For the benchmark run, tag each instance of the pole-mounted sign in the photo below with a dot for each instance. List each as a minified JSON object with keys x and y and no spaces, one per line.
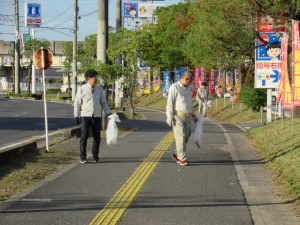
{"x":33,"y":16}
{"x":43,"y":59}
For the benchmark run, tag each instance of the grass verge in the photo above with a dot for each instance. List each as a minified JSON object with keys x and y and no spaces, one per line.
{"x":277,"y":144}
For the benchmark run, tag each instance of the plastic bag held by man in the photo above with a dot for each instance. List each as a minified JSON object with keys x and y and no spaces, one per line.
{"x":112,"y":129}
{"x":199,"y":130}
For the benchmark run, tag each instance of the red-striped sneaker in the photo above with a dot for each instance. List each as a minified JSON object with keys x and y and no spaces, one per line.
{"x":175,"y":158}
{"x":183,"y":162}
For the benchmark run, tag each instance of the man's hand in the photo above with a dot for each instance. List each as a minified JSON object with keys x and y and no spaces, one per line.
{"x":77,"y":120}
{"x":169,"y":121}
{"x":195,"y":118}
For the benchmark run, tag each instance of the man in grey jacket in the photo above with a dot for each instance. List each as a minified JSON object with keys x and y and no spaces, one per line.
{"x":202,"y":97}
{"x":88,"y":105}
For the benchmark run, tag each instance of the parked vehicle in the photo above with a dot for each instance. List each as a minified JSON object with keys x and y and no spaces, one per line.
{"x":274,"y":94}
{"x":65,"y":87}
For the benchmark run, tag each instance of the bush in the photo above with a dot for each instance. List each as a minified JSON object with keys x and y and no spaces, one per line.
{"x":62,"y":97}
{"x":55,"y":90}
{"x":252,"y":97}
{"x":26,"y":95}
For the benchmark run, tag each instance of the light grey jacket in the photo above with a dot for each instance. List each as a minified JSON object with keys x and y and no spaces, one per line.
{"x":202,"y":95}
{"x":87,"y":104}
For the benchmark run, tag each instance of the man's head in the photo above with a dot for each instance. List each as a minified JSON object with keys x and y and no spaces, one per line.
{"x":186,"y":79}
{"x":203,"y":84}
{"x":91,"y":77}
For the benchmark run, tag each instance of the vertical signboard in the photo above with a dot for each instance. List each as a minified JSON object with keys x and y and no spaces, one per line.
{"x":284,"y":85}
{"x":33,"y":17}
{"x":212,"y":82}
{"x":237,"y":85}
{"x":229,"y":80}
{"x":296,"y":61}
{"x":196,"y":80}
{"x":267,"y":54}
{"x":221,"y":81}
{"x":167,"y":83}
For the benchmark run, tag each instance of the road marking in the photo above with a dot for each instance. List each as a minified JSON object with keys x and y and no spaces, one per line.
{"x":35,"y":200}
{"x":116,"y":207}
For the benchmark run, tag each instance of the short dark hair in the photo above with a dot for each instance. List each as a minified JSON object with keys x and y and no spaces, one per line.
{"x":90,"y":73}
{"x":204,"y":84}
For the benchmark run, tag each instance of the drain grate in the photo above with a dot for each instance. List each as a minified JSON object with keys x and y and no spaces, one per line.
{"x":232,"y":128}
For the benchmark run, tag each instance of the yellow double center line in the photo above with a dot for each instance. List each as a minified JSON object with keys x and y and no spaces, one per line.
{"x":116,"y":207}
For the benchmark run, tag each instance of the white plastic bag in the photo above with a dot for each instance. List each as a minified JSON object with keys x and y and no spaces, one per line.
{"x":199,"y":130}
{"x":208,"y":104}
{"x":112,"y":129}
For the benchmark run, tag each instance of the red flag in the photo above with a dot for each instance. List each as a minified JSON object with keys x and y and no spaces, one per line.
{"x":212,"y":82}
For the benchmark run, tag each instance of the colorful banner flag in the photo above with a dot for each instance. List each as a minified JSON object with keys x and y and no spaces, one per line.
{"x":229,"y":80}
{"x":203,"y":75}
{"x":296,"y":61}
{"x":156,"y":80}
{"x":167,"y":83}
{"x":212,"y":82}
{"x":284,"y":84}
{"x":237,"y":85}
{"x":221,"y":81}
{"x":177,"y":75}
{"x":196,"y":80}
{"x":144,"y":77}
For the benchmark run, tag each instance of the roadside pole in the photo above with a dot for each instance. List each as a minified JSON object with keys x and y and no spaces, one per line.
{"x":102,"y":42}
{"x":33,"y":72}
{"x":269,"y":105}
{"x":17,"y":49}
{"x":43,"y":59}
{"x":74,"y":72}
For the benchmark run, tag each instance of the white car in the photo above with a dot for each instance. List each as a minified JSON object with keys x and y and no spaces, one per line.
{"x":274,"y":94}
{"x":65,"y":87}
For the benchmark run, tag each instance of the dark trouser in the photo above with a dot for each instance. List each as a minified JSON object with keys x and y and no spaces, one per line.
{"x":86,"y":124}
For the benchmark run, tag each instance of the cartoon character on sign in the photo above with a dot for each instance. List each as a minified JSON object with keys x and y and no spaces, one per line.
{"x":274,"y":51}
{"x":132,"y":12}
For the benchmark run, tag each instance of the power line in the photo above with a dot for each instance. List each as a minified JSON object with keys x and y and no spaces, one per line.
{"x":59,"y":14}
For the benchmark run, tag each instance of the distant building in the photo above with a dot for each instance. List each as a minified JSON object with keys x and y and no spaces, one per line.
{"x":54,"y":73}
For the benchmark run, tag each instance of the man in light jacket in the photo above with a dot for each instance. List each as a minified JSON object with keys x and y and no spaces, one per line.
{"x":202,"y":97}
{"x":88,"y":104}
{"x":180,"y":114}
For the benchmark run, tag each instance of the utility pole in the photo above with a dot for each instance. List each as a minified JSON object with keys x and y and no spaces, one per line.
{"x":102,"y":42}
{"x":118,"y":25}
{"x":33,"y":72}
{"x":17,"y":49}
{"x":74,"y":89}
{"x":102,"y":31}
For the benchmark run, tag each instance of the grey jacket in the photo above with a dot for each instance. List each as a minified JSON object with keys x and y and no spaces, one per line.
{"x":202,"y":95}
{"x":87,"y":104}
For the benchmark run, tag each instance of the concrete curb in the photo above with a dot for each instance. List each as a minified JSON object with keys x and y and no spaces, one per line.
{"x":30,"y":144}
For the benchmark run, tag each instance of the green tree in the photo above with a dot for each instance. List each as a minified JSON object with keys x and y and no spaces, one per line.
{"x":28,"y":50}
{"x":67,"y":49}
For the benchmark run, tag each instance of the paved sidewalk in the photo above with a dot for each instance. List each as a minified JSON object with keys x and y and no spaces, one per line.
{"x":225,"y":182}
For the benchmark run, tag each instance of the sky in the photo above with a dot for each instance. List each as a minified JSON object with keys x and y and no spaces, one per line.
{"x":57,"y":18}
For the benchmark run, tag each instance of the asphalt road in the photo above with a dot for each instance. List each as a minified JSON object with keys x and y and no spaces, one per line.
{"x":24,"y":119}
